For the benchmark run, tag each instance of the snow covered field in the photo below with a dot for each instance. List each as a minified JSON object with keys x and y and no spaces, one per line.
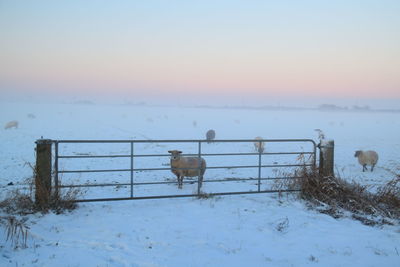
{"x":261,"y":230}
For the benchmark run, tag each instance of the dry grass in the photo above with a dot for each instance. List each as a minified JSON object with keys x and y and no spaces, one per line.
{"x":18,"y":203}
{"x":37,"y":198}
{"x":53,"y":200}
{"x":17,"y":231}
{"x":59,"y":203}
{"x":389,"y":197}
{"x":337,"y":196}
{"x":21,"y":202}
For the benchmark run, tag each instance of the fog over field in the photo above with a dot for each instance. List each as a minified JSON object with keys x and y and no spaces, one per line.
{"x":199,"y":99}
{"x":260,"y":230}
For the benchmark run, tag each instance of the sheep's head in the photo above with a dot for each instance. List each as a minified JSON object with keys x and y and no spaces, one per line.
{"x":175,"y":154}
{"x":358,"y":152}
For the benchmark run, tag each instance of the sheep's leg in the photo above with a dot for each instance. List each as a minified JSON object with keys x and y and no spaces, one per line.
{"x":364,"y":167}
{"x":180,"y":181}
{"x":200,"y":180}
{"x":372,"y":168}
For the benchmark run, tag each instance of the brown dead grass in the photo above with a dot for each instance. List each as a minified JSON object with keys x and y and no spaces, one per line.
{"x":337,"y":196}
{"x":16,"y":231}
{"x":37,"y":199}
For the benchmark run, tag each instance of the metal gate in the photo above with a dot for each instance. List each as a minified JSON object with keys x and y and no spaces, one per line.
{"x":104,"y":170}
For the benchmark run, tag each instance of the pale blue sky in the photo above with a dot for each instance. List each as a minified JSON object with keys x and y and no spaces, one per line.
{"x":322,"y":48}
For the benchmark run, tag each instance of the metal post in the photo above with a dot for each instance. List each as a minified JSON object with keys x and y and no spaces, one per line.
{"x":314,"y":156}
{"x":43,"y":172}
{"x":326,"y":158}
{"x":131,"y":169}
{"x":56,"y":179}
{"x":199,"y":181}
{"x":259,"y":166}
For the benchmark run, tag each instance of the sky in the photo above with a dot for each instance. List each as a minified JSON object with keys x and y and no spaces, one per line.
{"x":202,"y":49}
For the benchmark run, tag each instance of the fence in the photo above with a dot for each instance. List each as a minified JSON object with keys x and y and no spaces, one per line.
{"x":139,"y":169}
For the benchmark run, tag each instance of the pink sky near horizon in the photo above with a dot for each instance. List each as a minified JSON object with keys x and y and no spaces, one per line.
{"x":317,"y":49}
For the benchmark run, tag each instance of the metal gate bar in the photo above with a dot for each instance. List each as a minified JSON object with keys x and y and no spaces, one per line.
{"x":167,"y":155}
{"x":215,"y":167}
{"x":185,"y":195}
{"x":185,"y":182}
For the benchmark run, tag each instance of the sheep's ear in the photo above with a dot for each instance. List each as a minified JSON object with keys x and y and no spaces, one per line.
{"x":169,"y":151}
{"x":179,"y":152}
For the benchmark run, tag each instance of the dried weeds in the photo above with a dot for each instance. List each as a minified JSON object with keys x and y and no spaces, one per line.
{"x":334,"y":195}
{"x":16,"y":231}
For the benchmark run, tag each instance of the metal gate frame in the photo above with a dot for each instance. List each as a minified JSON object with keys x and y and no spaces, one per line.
{"x":131,"y":169}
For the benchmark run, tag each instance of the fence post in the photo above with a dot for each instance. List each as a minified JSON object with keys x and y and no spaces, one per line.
{"x":43,"y":172}
{"x":326,"y":158}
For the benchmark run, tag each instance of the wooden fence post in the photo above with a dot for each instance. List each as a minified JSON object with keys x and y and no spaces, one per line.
{"x":326,"y":158}
{"x":43,"y":172}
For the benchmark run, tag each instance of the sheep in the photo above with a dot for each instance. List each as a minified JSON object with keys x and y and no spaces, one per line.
{"x":259,"y":146}
{"x":367,"y":158}
{"x":210,"y":135}
{"x":186,"y":166}
{"x":11,"y":124}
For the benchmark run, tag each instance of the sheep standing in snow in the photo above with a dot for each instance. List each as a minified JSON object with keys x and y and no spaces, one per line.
{"x":367,"y":158}
{"x":259,"y":146}
{"x":11,"y":124}
{"x":186,"y":166}
{"x":210,"y":135}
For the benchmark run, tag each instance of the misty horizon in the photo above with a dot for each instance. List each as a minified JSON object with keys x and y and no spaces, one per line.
{"x":205,"y":101}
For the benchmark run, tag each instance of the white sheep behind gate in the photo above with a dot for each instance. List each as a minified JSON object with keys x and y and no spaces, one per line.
{"x":186,"y":166}
{"x":365,"y":158}
{"x":259,"y":146}
{"x":210,"y":135}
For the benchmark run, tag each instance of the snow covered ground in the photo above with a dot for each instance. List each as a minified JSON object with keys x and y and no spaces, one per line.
{"x":254,"y":230}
